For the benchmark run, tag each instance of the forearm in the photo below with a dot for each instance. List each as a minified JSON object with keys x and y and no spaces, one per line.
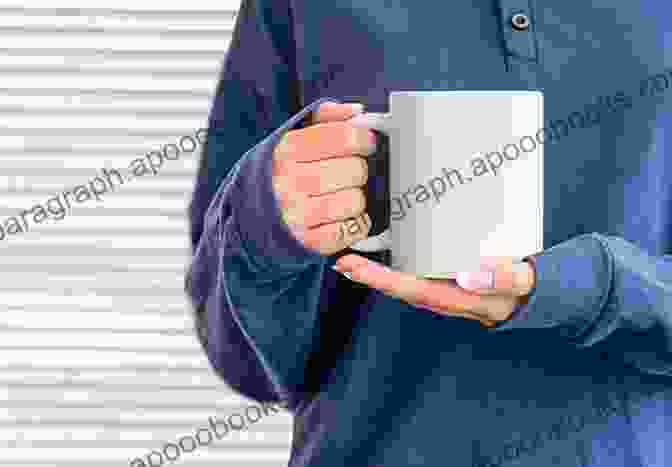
{"x":604,"y":292}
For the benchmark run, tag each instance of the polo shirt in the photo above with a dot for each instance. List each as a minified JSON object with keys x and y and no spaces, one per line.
{"x":582,"y":376}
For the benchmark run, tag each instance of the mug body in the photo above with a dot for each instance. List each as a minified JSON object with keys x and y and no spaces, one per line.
{"x":466,"y":178}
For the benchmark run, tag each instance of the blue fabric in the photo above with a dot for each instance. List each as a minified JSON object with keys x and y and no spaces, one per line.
{"x":582,"y":376}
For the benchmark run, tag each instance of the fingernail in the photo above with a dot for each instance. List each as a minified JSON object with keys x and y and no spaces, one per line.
{"x":476,"y":280}
{"x":372,"y":138}
{"x":360,"y":121}
{"x":357,"y":108}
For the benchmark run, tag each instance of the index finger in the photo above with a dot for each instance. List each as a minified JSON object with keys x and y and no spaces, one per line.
{"x":407,"y":287}
{"x":333,"y":111}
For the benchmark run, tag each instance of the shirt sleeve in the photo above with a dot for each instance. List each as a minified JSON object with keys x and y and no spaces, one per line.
{"x":254,"y":288}
{"x":606,"y":293}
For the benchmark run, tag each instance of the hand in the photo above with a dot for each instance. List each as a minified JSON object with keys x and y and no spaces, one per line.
{"x":318,"y":175}
{"x":487,"y":296}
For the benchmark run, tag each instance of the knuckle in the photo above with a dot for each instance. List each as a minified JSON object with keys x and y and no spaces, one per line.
{"x":354,"y":138}
{"x":366,"y":218}
{"x":342,"y":238}
{"x":365,"y":227}
{"x":358,"y":200}
{"x":356,"y":228}
{"x":363,"y":170}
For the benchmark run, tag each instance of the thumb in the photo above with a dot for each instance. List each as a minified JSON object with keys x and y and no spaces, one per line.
{"x":499,"y":276}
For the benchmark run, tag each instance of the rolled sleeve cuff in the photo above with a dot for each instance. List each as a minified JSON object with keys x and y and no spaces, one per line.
{"x":572,"y":284}
{"x":264,"y":234}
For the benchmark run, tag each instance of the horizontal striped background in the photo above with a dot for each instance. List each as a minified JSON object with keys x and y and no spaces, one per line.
{"x":99,"y":361}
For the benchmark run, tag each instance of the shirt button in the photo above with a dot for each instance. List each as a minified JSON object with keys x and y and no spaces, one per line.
{"x":520,"y":22}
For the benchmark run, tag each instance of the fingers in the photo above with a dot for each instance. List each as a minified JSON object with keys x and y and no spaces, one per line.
{"x":332,"y":207}
{"x":317,"y":177}
{"x":325,"y":141}
{"x":312,"y":179}
{"x":440,"y":296}
{"x":436,"y":296}
{"x":333,"y":111}
{"x":334,"y":237}
{"x":408,"y":287}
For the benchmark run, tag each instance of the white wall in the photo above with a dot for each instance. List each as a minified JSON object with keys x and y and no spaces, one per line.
{"x":98,"y":360}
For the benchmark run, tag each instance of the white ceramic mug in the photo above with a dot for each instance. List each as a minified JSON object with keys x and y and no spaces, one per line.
{"x":466,"y":178}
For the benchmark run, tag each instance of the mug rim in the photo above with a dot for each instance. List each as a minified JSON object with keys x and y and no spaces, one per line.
{"x":463,"y":93}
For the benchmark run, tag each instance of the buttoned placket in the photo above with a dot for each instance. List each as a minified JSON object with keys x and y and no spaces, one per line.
{"x":521,"y":51}
{"x":518,"y":26}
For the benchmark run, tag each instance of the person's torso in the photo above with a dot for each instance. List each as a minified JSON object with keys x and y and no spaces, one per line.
{"x":416,"y":388}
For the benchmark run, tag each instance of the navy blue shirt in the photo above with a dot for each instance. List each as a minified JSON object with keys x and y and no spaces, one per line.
{"x":583,"y":376}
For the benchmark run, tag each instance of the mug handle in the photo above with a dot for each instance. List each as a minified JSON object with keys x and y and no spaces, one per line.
{"x":380,"y":122}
